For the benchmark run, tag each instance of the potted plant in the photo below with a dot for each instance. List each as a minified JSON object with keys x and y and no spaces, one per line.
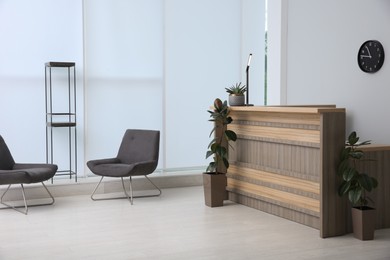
{"x":356,"y":185}
{"x":214,"y":179}
{"x":236,"y":94}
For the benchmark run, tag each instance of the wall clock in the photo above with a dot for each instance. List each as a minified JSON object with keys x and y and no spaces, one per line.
{"x":371,"y":56}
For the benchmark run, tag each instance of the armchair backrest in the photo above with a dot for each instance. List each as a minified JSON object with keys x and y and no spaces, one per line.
{"x":139,"y":146}
{"x":6,"y":160}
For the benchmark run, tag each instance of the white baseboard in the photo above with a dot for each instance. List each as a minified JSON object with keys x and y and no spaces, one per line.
{"x":85,"y":186}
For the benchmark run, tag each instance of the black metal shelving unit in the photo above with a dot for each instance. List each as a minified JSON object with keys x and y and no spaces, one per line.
{"x":66,"y":117}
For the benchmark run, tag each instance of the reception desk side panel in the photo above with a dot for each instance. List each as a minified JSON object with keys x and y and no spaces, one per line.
{"x":333,"y":217}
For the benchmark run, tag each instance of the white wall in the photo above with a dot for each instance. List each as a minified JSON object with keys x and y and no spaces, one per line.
{"x":323,"y":41}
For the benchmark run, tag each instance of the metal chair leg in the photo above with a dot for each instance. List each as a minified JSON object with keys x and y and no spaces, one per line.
{"x":145,"y":196}
{"x":154,"y":186}
{"x":25,"y":201}
{"x":51,"y":196}
{"x":93,"y":193}
{"x":124,"y":189}
{"x":131,"y":191}
{"x":129,"y":197}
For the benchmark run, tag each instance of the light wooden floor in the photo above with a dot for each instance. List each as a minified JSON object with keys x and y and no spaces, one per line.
{"x":176,"y":225}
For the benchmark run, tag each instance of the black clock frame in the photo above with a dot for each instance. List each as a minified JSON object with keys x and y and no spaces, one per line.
{"x":371,"y":56}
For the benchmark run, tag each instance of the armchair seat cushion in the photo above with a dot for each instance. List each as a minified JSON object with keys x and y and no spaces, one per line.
{"x":113,"y":169}
{"x":33,"y":174}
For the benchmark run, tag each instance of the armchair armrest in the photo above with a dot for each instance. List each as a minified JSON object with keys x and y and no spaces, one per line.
{"x":93,"y":163}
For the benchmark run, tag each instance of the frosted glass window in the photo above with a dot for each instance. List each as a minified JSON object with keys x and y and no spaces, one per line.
{"x":33,"y":33}
{"x":123,"y":38}
{"x":149,"y":64}
{"x":161,"y":64}
{"x":123,"y":71}
{"x":202,"y":58}
{"x":206,"y":48}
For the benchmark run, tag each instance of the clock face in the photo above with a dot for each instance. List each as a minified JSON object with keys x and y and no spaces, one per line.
{"x":371,"y":56}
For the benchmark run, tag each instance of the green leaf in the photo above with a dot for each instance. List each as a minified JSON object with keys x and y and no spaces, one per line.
{"x":365,"y":181}
{"x":225,"y":162}
{"x":211,"y":142}
{"x":344,"y":188}
{"x":352,"y":138}
{"x":374,"y":182}
{"x":209,"y":153}
{"x":211,"y":167}
{"x":343,"y":166}
{"x":231,"y":135}
{"x":213,"y":146}
{"x":355,"y":195}
{"x":345,"y":153}
{"x":212,"y":131}
{"x":221,"y":151}
{"x":229,"y":120}
{"x":218,"y":150}
{"x":365,"y":142}
{"x":349,"y":174}
{"x":357,"y":154}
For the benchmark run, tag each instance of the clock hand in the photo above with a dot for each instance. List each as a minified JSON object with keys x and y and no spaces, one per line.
{"x":368,"y":50}
{"x":365,"y":56}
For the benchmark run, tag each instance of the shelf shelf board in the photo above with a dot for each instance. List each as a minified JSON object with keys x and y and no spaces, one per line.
{"x":61,"y":124}
{"x":60,"y":64}
{"x":61,"y":114}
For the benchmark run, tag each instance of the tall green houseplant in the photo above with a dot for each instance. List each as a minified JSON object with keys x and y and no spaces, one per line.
{"x":356,"y":185}
{"x":218,"y":147}
{"x":214,"y":179}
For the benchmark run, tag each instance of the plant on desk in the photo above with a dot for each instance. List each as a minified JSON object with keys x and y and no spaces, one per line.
{"x":214,"y":179}
{"x":236,"y":94}
{"x":356,"y":185}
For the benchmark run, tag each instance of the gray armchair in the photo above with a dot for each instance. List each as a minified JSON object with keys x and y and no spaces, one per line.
{"x":22,"y":173}
{"x":137,"y":156}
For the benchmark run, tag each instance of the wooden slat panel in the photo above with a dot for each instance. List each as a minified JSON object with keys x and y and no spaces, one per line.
{"x":291,"y":182}
{"x":286,"y":159}
{"x":297,"y":135}
{"x":271,"y":208}
{"x":285,"y":118}
{"x":276,"y":195}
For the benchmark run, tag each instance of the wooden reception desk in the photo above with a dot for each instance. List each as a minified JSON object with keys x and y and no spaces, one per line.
{"x":284,"y":163}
